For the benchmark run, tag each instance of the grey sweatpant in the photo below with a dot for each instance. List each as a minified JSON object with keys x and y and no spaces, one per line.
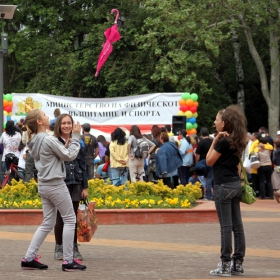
{"x":55,"y":198}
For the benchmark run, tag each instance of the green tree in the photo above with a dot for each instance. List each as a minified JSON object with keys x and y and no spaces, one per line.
{"x":251,"y":17}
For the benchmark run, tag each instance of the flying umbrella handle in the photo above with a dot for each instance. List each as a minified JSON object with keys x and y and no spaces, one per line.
{"x":117,"y":15}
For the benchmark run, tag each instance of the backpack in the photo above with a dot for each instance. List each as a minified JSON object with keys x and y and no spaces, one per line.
{"x":142,"y":148}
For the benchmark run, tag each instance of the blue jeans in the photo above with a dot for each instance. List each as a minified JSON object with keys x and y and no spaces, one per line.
{"x":119,"y":175}
{"x":90,"y":171}
{"x":227,"y":201}
{"x":184,"y":174}
{"x":209,"y":184}
{"x":3,"y":169}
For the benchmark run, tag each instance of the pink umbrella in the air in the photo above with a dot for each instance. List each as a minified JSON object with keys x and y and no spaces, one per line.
{"x":112,"y":35}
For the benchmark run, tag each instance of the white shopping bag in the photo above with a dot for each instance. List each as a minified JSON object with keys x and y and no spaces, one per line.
{"x":247,"y":165}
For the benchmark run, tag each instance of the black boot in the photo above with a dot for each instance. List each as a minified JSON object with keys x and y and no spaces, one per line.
{"x":222,"y":270}
{"x":236,"y":267}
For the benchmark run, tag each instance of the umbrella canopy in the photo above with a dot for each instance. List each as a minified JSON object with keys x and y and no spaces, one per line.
{"x":112,"y":35}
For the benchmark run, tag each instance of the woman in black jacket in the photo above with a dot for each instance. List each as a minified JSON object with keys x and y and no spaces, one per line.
{"x":76,"y":181}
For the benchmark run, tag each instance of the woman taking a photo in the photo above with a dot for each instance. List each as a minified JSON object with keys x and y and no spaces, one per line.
{"x":224,"y":155}
{"x":76,"y":182}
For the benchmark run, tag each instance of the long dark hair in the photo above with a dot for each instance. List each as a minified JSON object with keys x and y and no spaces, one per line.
{"x":21,"y":146}
{"x":184,"y":134}
{"x":135,"y":131}
{"x":235,"y":125}
{"x":11,"y":128}
{"x":119,"y":136}
{"x":102,"y":140}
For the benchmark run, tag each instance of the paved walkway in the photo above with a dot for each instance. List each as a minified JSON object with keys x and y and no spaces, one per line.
{"x":168,"y":252}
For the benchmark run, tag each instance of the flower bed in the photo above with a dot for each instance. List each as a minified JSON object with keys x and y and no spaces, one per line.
{"x":130,"y":196}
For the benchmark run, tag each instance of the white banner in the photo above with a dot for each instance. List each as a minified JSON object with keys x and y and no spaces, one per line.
{"x":103,"y":114}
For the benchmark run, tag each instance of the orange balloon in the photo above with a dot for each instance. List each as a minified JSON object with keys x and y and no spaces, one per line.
{"x":195,"y":104}
{"x":193,"y":131}
{"x":189,"y":102}
{"x":10,"y":103}
{"x":182,"y":102}
{"x":5,"y":103}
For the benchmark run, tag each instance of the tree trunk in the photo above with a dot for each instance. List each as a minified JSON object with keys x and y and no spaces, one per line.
{"x":222,"y":85}
{"x":271,"y":96}
{"x":273,"y":109}
{"x":239,"y":70}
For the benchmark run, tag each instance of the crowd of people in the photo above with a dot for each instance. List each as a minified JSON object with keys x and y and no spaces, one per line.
{"x":66,"y":155}
{"x":263,"y":171}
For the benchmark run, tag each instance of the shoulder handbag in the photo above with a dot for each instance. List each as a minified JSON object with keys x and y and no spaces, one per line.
{"x":248,"y":194}
{"x":255,"y":163}
{"x":247,"y":165}
{"x":106,"y":166}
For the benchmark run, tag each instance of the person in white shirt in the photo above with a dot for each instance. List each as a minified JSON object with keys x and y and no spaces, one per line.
{"x":10,"y":140}
{"x":21,"y":158}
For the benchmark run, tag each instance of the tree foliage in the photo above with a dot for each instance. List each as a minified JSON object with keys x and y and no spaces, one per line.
{"x":166,"y":46}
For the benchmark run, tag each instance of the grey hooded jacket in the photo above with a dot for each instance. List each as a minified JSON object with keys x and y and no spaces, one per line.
{"x":49,"y":156}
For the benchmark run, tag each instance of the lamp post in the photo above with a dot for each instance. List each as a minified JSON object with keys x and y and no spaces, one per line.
{"x":6,"y":12}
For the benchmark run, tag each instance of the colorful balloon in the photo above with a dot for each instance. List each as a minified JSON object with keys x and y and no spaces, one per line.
{"x":194,"y":96}
{"x":188,"y":114}
{"x":182,"y":102}
{"x":186,"y":95}
{"x":188,"y":126}
{"x":10,"y":103}
{"x":181,"y":113}
{"x":195,"y":115}
{"x":5,"y":113}
{"x":5,"y":103}
{"x":184,"y":108}
{"x":192,"y":120}
{"x":193,"y":109}
{"x":8,"y":97}
{"x":195,"y":104}
{"x":8,"y":118}
{"x":8,"y":109}
{"x":189,"y":102}
{"x":195,"y":125}
{"x":193,"y":131}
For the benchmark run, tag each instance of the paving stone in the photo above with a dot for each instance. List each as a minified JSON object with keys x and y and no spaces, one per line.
{"x":161,"y":252}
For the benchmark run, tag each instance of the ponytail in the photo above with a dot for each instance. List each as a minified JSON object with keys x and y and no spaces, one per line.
{"x":31,"y":122}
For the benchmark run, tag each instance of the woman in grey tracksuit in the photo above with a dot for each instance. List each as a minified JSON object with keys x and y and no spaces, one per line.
{"x":49,"y":156}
